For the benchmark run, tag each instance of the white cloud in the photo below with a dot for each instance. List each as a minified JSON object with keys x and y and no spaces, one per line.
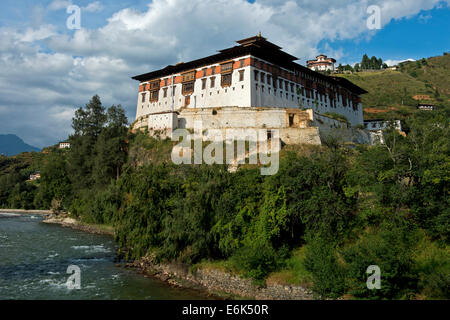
{"x":424,"y":18}
{"x":40,"y":87}
{"x":56,"y":5}
{"x":95,"y":6}
{"x":391,"y":62}
{"x":42,"y":33}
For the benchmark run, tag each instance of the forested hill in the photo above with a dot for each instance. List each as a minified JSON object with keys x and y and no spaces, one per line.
{"x":10,"y":145}
{"x":327,"y":214}
{"x":399,"y":92}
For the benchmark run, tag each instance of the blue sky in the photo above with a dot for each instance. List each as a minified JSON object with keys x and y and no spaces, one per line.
{"x":423,"y":35}
{"x":47,"y":70}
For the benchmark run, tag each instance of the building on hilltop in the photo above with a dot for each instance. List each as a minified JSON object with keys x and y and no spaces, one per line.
{"x":426,"y":106}
{"x":322,"y":63}
{"x":377,"y":126}
{"x":64,"y":145}
{"x":35,"y":176}
{"x":251,"y":85}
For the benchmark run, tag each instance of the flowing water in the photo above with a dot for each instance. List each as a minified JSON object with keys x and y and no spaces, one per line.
{"x":34,"y":260}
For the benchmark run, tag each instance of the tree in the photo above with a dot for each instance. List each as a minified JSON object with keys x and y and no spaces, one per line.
{"x":87,"y":124}
{"x":111,"y":147}
{"x":55,"y":182}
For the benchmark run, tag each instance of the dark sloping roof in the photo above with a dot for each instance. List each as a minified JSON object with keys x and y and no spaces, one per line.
{"x":256,"y":46}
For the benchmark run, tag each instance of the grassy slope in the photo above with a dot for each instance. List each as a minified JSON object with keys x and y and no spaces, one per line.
{"x":388,"y":89}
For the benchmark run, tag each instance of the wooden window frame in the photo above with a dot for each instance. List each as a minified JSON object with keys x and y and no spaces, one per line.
{"x":152,"y":94}
{"x":188,"y":76}
{"x":155,"y":84}
{"x":188,"y":88}
{"x":227,"y":83}
{"x":241,"y":75}
{"x":226,"y":67}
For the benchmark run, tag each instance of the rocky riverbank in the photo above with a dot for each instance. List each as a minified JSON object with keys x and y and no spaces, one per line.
{"x":219,"y":282}
{"x":68,"y":222}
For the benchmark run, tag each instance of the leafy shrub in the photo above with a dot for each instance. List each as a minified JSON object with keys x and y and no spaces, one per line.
{"x":392,"y":249}
{"x":327,"y":273}
{"x":433,"y":268}
{"x":259,"y":260}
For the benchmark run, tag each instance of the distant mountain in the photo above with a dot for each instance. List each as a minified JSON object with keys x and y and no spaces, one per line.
{"x":10,"y":145}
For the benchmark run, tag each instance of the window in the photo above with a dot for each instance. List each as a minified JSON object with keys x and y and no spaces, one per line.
{"x":213,"y":70}
{"x":188,"y":76}
{"x":226,"y":79}
{"x":154,"y":85}
{"x":262,"y":77}
{"x":188,"y":87}
{"x":287,"y":95}
{"x":165,"y":82}
{"x":269,"y":80}
{"x":281,"y":84}
{"x":286,"y":85}
{"x":292,"y":87}
{"x":204,"y":72}
{"x":174,"y":90}
{"x":226,"y":67}
{"x":203,"y":84}
{"x":213,"y":81}
{"x":241,"y":75}
{"x":256,"y":75}
{"x":165,"y":92}
{"x":241,"y":63}
{"x":143,"y":97}
{"x":262,"y":88}
{"x":154,"y":95}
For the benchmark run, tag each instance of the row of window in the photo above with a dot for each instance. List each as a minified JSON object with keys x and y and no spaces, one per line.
{"x":188,"y":87}
{"x":276,"y":83}
{"x":309,"y":94}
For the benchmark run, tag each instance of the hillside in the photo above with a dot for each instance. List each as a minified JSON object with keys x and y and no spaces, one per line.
{"x":395,"y":92}
{"x":10,"y":145}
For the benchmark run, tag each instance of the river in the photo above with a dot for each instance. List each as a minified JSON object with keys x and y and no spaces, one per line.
{"x":34,"y":259}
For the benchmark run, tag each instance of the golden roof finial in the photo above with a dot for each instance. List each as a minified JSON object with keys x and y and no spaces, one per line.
{"x":259,"y":34}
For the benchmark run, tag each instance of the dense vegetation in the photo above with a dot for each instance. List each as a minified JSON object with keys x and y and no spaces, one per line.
{"x":390,"y":93}
{"x":328,"y":213}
